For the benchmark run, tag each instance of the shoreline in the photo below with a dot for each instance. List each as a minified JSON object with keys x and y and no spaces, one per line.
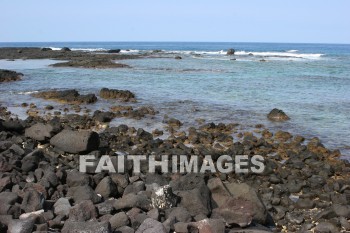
{"x":282,"y":151}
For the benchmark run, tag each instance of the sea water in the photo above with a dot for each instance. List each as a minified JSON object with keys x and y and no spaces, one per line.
{"x":310,"y":82}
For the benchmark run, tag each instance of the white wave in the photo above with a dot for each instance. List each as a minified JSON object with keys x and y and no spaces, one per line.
{"x":27,"y":92}
{"x":55,"y":48}
{"x":89,"y":49}
{"x":129,"y":51}
{"x":282,"y":54}
{"x":292,"y":51}
{"x":193,"y":52}
{"x":82,"y":49}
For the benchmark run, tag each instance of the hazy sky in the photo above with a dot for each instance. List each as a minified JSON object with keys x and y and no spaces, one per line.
{"x":321,"y":21}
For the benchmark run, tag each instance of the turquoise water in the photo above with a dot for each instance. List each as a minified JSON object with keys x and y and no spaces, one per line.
{"x":310,"y":82}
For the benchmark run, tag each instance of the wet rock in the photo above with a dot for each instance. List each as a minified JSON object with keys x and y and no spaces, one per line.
{"x":123,"y":95}
{"x":173,"y":122}
{"x":103,"y":116}
{"x":83,"y":211}
{"x":76,"y":141}
{"x":13,"y":125}
{"x":230,"y":52}
{"x":9,"y":76}
{"x":119,"y":220}
{"x":67,"y":96}
{"x":114,"y":51}
{"x":32,"y":201}
{"x":46,"y":49}
{"x":178,"y":57}
{"x":62,"y":207}
{"x":94,"y":63}
{"x":150,"y":226}
{"x":40,"y":132}
{"x":164,"y":198}
{"x":86,"y":227}
{"x":277,"y":115}
{"x":65,"y":49}
{"x":49,"y":107}
{"x":107,"y":188}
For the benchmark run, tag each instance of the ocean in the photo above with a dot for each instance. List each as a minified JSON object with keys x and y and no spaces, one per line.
{"x":310,"y":82}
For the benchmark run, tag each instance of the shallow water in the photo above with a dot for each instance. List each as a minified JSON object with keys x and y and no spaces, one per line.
{"x":310,"y":82}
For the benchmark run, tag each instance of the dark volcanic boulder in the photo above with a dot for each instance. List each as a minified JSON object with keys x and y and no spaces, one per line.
{"x":39,"y":132}
{"x":9,"y":75}
{"x":32,"y":201}
{"x":230,"y":52}
{"x":76,"y":141}
{"x":45,"y":49}
{"x":67,"y":96}
{"x":123,"y":95}
{"x":277,"y":115}
{"x":113,"y":51}
{"x":65,"y":49}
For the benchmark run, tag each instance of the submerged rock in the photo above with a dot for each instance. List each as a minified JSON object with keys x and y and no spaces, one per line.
{"x":123,"y":95}
{"x":67,"y":96}
{"x":277,"y":115}
{"x":91,"y":63}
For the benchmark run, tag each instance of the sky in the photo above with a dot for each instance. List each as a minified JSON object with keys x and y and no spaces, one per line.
{"x":299,"y":21}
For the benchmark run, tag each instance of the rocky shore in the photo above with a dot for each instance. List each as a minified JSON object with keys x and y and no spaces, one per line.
{"x":304,"y":186}
{"x":73,"y":58}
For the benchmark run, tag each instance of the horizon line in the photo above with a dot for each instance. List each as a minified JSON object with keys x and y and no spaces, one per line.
{"x":132,"y":41}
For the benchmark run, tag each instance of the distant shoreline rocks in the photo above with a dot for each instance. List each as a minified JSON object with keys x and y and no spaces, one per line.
{"x":230,"y":52}
{"x":91,"y":63}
